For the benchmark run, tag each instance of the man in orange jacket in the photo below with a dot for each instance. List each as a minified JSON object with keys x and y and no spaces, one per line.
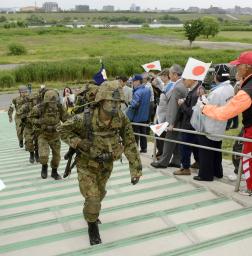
{"x":240,"y":103}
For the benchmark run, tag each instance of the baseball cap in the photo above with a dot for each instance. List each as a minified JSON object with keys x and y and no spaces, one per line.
{"x":222,"y":70}
{"x":244,"y":58}
{"x":137,"y":77}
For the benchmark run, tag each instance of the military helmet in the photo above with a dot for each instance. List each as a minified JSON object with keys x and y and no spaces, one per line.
{"x":51,"y":96}
{"x":110,"y":90}
{"x":22,"y":89}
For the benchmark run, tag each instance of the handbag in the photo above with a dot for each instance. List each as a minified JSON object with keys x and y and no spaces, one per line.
{"x":198,"y":119}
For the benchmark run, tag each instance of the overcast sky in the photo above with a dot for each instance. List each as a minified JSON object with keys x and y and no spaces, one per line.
{"x":125,"y":4}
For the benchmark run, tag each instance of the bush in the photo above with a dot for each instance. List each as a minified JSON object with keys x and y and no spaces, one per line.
{"x":10,"y":25}
{"x":77,"y":70}
{"x":3,"y":19}
{"x":145,"y":25}
{"x":17,"y":49}
{"x":7,"y":80}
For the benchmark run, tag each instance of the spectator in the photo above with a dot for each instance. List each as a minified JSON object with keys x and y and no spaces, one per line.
{"x":68,"y":99}
{"x":162,"y":105}
{"x":186,"y":110}
{"x":127,"y":91}
{"x":210,"y":162}
{"x":147,"y":82}
{"x":240,"y":103}
{"x":138,"y":110}
{"x":169,"y":114}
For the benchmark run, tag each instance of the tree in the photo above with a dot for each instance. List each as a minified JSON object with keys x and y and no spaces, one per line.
{"x":3,"y":19}
{"x":211,"y":26}
{"x":193,"y":29}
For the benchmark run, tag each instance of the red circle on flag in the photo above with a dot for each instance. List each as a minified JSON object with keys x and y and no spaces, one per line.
{"x":151,"y":66}
{"x":198,"y":70}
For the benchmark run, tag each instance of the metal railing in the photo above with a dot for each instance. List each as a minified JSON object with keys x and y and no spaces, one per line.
{"x":221,"y":136}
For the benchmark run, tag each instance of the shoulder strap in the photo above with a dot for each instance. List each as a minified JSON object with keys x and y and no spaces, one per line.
{"x":87,"y":122}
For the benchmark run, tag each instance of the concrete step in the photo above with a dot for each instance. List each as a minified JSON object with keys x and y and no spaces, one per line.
{"x":161,"y":215}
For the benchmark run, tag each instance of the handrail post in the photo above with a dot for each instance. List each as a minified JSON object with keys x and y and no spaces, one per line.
{"x":239,"y":174}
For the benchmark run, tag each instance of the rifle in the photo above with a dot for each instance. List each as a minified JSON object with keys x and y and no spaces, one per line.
{"x":69,"y":156}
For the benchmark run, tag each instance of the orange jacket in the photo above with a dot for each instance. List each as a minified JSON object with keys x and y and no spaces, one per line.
{"x":239,"y":103}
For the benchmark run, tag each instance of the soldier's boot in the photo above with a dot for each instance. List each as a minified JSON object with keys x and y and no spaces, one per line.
{"x":36,"y":156}
{"x":93,"y":232}
{"x":44,"y":171}
{"x":31,"y":159}
{"x":55,"y":174}
{"x":21,"y":144}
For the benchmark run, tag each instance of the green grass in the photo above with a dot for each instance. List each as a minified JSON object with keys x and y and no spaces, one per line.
{"x":60,"y":44}
{"x":64,"y":54}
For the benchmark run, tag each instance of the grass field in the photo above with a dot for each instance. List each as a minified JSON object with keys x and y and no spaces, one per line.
{"x":59,"y":44}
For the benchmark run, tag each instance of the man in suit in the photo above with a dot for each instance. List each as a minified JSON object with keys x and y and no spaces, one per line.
{"x":170,"y":149}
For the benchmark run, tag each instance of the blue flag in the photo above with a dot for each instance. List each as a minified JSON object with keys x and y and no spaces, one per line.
{"x":101,"y":76}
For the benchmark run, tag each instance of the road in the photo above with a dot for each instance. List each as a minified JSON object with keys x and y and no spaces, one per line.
{"x":203,"y":44}
{"x":9,"y":66}
{"x":5,"y":100}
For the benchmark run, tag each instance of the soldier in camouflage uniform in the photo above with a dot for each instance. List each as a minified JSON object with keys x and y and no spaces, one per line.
{"x":100,"y":135}
{"x":31,"y":143}
{"x":16,"y":105}
{"x":46,"y":116}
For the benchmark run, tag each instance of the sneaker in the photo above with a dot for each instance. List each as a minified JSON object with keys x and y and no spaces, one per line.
{"x":182,"y":172}
{"x":143,"y":151}
{"x":245,"y":192}
{"x":232,"y":177}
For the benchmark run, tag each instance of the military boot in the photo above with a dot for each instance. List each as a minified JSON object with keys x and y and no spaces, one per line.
{"x":21,"y":144}
{"x":55,"y":174}
{"x":44,"y":171}
{"x":31,"y":157}
{"x":37,"y":156}
{"x":93,"y":232}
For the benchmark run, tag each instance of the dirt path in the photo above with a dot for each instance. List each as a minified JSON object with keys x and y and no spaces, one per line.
{"x":9,"y":66}
{"x":184,"y":43}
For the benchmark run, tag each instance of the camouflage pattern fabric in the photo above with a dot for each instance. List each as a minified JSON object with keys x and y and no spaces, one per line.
{"x":16,"y":105}
{"x":45,"y":118}
{"x":92,"y":184}
{"x":111,"y":140}
{"x":45,"y":142}
{"x":25,"y":111}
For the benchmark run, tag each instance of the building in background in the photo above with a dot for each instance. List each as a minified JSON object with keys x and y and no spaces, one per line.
{"x":108,"y":8}
{"x":82,"y":8}
{"x":29,"y":9}
{"x":135,"y":8}
{"x":193,"y":9}
{"x":9,"y":10}
{"x":50,"y":7}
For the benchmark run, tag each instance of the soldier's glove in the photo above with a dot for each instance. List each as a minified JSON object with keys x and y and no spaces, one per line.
{"x":104,"y":157}
{"x":135,"y":180}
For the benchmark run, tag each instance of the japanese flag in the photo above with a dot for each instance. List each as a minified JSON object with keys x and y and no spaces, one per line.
{"x":159,"y":128}
{"x":152,"y":66}
{"x":195,"y":69}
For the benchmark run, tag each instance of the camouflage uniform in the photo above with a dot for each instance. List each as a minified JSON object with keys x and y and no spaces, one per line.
{"x":107,"y":143}
{"x":46,"y":117}
{"x":16,"y":105}
{"x":31,"y":144}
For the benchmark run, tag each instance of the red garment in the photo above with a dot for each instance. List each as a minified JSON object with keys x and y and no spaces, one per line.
{"x":247,"y":162}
